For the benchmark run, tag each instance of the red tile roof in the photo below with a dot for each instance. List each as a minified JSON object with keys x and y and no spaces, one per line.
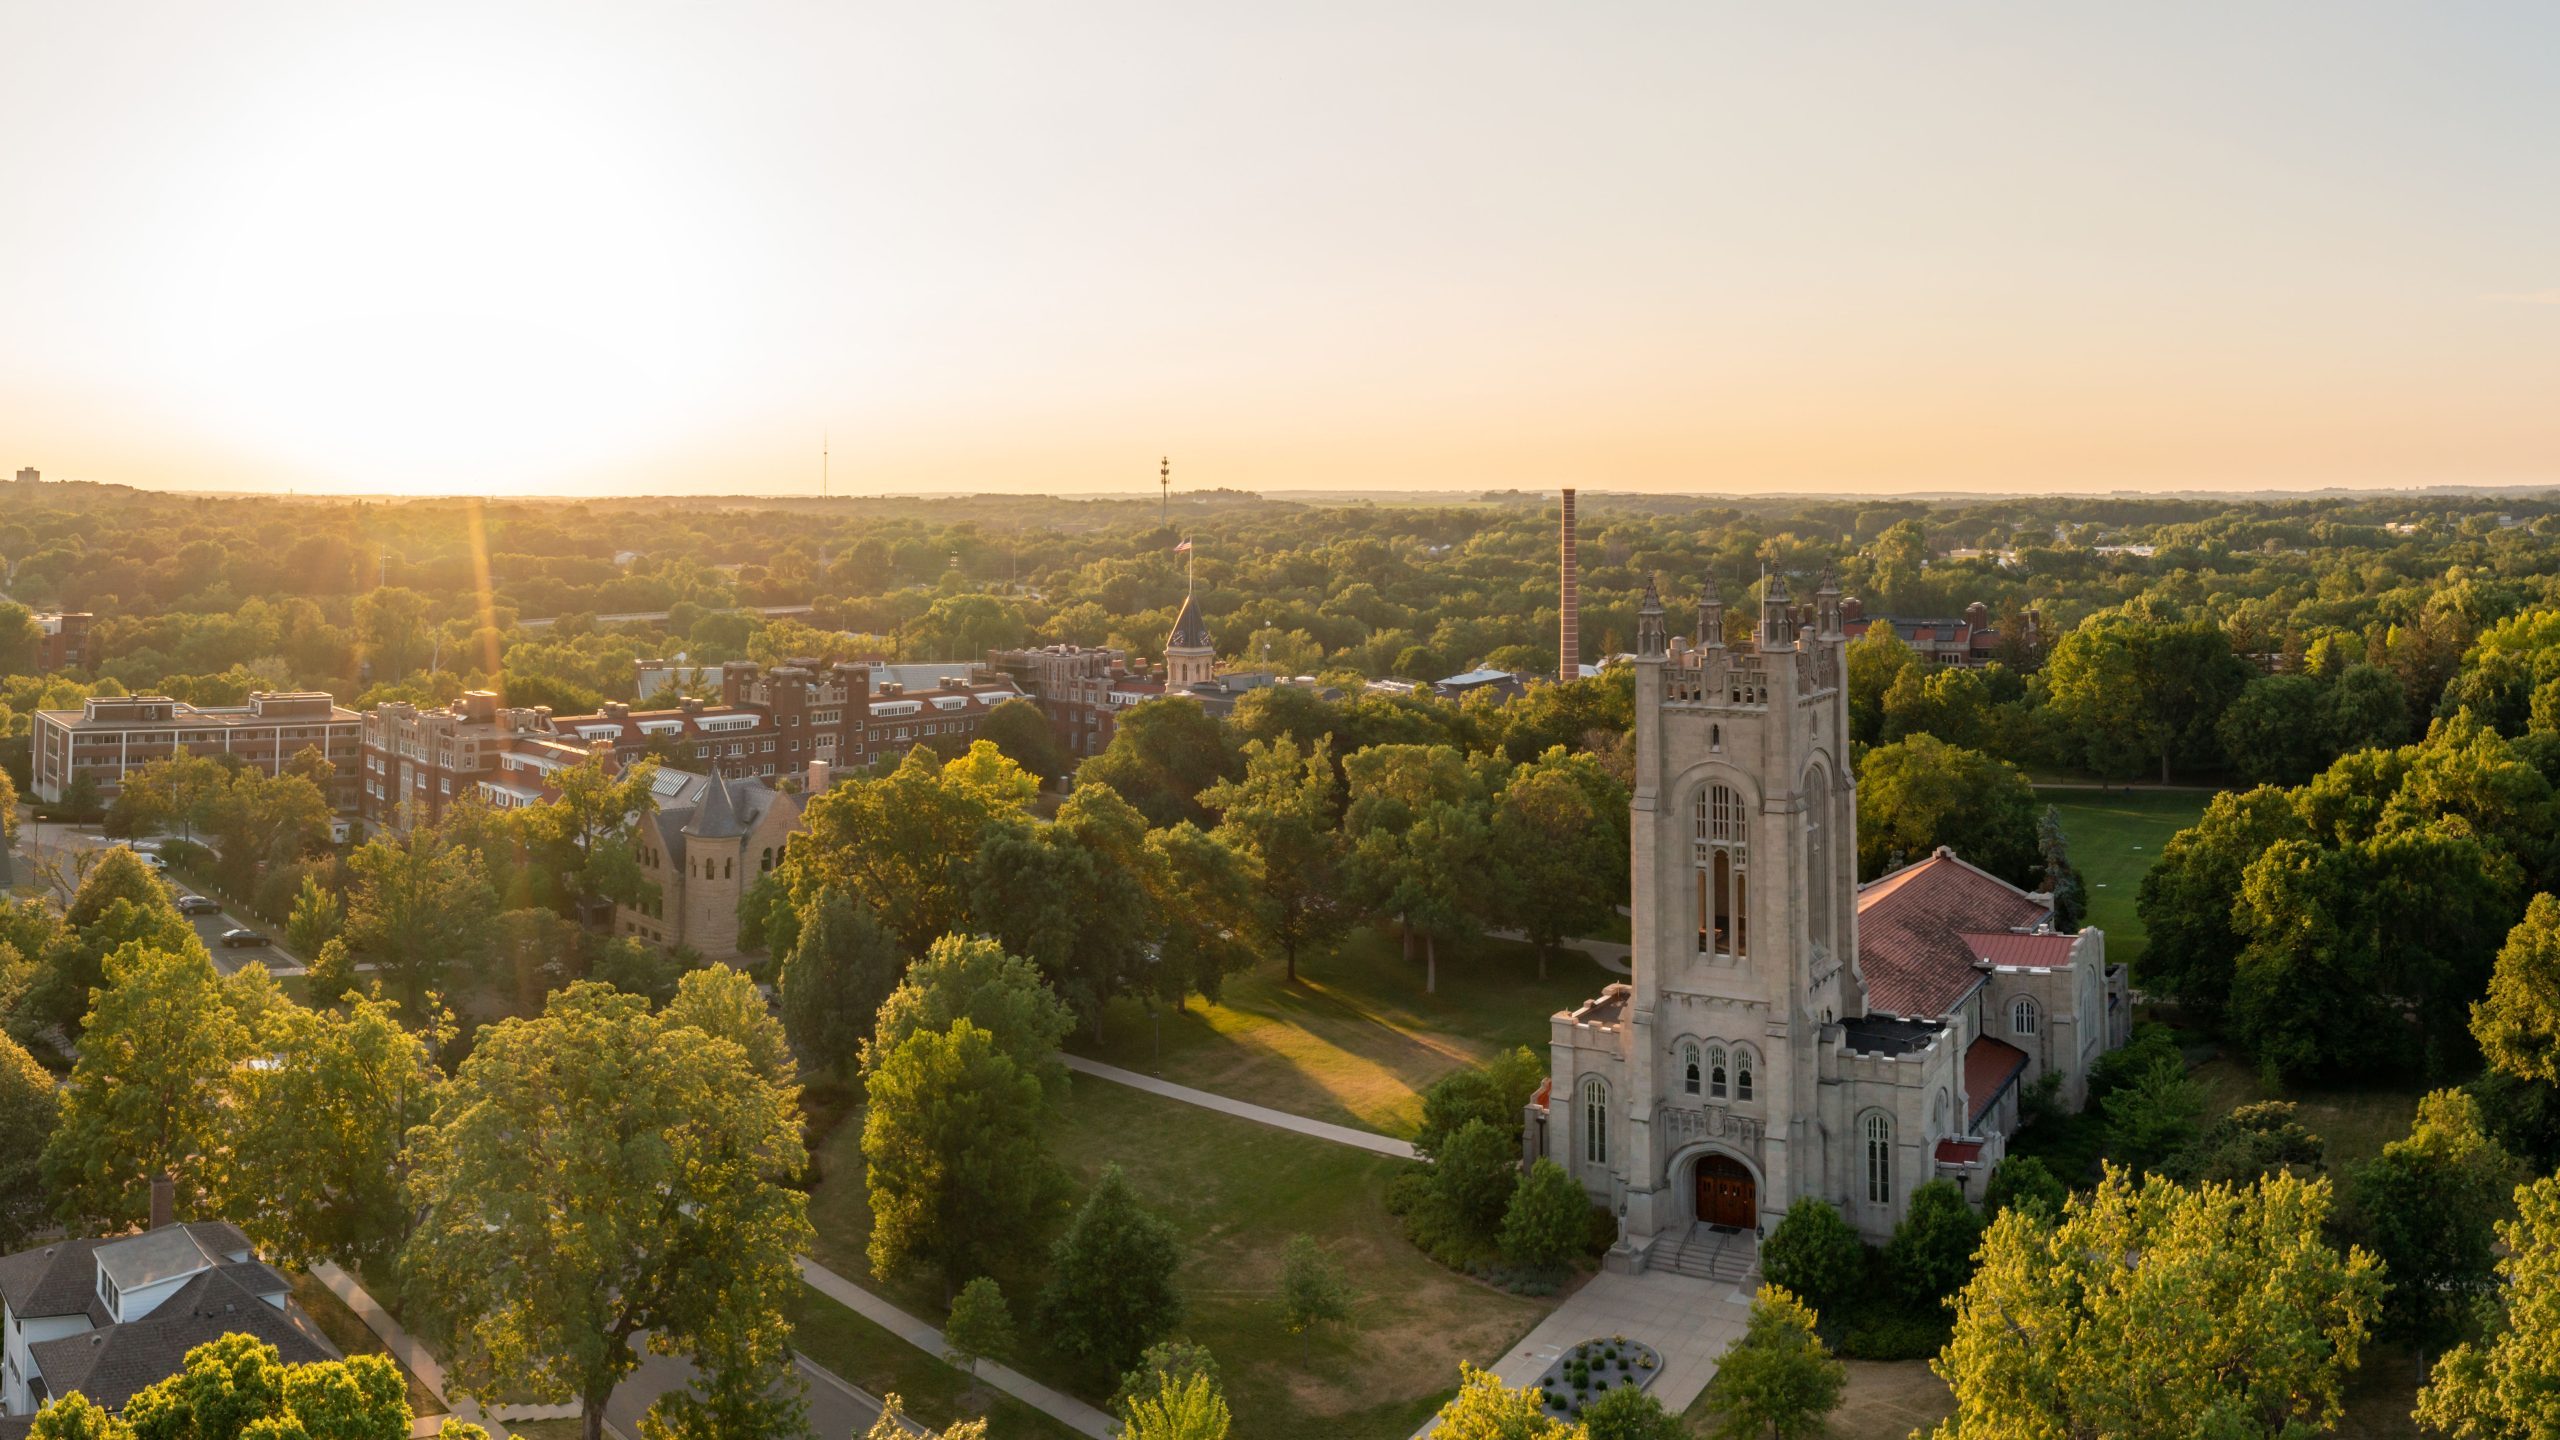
{"x":2010,"y":948}
{"x":1989,"y":1066}
{"x":1911,"y":928}
{"x":1959,"y":1152}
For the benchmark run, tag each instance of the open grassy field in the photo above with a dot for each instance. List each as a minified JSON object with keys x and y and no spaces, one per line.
{"x":1355,"y":1040}
{"x":1236,"y":1192}
{"x":2114,"y":838}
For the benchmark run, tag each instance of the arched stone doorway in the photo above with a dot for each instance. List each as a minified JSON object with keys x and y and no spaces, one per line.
{"x":1727,"y":1194}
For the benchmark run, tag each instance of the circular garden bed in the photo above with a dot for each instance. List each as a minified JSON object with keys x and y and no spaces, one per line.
{"x":1592,"y":1369}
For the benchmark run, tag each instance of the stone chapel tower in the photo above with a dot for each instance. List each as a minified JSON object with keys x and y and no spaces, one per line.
{"x":1745,"y":918}
{"x":1189,"y":656}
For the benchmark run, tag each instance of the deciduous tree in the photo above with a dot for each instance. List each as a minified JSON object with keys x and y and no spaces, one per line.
{"x":597,"y":1173}
{"x":1777,"y":1380}
{"x":2507,"y":1383}
{"x":1558,"y":852}
{"x":422,"y":911}
{"x":837,"y":973}
{"x":148,"y":1095}
{"x":1917,"y":794}
{"x":955,"y":1141}
{"x":2149,"y":1306}
{"x":1111,"y":1290}
{"x":1281,"y":813}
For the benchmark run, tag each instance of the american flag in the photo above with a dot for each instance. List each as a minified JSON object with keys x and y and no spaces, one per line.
{"x":1182,"y":549}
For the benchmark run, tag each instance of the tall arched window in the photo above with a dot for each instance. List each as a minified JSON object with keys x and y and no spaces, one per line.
{"x":1722,"y":830}
{"x":1715,"y":1072}
{"x":2022,"y":1017}
{"x":1879,"y":1128}
{"x":1595,"y":1121}
{"x":1938,"y":1113}
{"x":1744,"y":1063}
{"x":1817,"y":857}
{"x":1689,"y":1081}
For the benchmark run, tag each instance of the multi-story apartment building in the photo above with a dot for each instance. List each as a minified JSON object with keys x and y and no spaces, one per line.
{"x":769,"y":723}
{"x":777,"y":722}
{"x":109,"y":735}
{"x":64,"y":639}
{"x":424,"y":759}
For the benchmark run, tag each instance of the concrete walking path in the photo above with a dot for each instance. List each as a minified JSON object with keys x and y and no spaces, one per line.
{"x":1689,"y":1321}
{"x":1260,"y":1114}
{"x":1611,"y":955}
{"x":1064,"y":1408}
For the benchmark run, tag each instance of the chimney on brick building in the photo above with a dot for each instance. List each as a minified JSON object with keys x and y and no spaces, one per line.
{"x":1569,"y":643}
{"x":164,"y":1200}
{"x":817,"y":780}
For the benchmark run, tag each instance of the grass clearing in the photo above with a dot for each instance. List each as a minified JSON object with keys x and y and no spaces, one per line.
{"x":1236,"y":1192}
{"x":352,"y":1336}
{"x":1356,"y":1040}
{"x":2355,"y":1123}
{"x":2114,"y":837}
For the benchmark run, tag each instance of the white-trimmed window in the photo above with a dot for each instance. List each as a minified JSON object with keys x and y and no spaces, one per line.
{"x":1879,"y":1134}
{"x":1744,"y":1066}
{"x":1689,"y":1070}
{"x":2022,"y":1016}
{"x":1595,"y":1121}
{"x":1717,"y":1074}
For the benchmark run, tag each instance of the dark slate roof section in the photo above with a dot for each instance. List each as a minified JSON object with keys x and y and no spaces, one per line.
{"x":60,"y":1279}
{"x":110,"y":1365}
{"x":1190,"y":632}
{"x":1911,"y":928}
{"x":1886,"y":1035}
{"x":717,"y":817}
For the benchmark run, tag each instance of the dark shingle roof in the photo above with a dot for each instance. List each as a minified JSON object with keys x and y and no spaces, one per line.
{"x":111,"y":1364}
{"x":717,"y":817}
{"x":59,"y":1279}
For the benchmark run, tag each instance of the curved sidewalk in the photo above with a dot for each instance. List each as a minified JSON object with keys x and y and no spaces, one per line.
{"x":1260,"y":1114}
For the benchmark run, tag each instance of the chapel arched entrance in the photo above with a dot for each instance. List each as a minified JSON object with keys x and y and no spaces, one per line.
{"x":1726,"y":1195}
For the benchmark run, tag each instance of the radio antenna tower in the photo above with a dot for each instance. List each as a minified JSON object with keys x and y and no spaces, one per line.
{"x":822,"y":464}
{"x":1164,"y":502}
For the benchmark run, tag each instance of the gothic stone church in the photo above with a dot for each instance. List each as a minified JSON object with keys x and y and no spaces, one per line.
{"x":1788,"y":1031}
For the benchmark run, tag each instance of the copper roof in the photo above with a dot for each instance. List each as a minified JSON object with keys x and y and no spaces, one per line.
{"x":1912,"y":926}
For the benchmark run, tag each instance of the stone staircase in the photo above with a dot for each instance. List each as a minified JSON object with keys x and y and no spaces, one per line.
{"x":1707,"y":1253}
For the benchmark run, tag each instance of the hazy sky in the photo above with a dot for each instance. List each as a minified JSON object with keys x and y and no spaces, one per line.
{"x":642,"y":247}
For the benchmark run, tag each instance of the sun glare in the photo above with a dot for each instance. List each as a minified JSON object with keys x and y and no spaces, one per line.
{"x":456,"y":283}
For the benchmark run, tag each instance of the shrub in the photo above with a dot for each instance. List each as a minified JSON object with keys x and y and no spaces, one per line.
{"x":1166,"y":1365}
{"x":1893,"y":1333}
{"x":1549,"y":1219}
{"x":1493,"y":1093}
{"x":1814,"y":1253}
{"x":1477,"y":1170}
{"x":1932,"y":1251}
{"x":2025,"y":1182}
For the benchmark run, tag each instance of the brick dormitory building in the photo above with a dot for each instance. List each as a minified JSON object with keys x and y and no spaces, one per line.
{"x":768,"y":723}
{"x":109,"y":735}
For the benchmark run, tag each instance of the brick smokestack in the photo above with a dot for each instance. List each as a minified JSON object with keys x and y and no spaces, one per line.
{"x":1569,"y":643}
{"x":164,"y":1200}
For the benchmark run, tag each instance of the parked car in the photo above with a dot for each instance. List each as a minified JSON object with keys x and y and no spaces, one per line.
{"x":235,"y":938}
{"x":154,"y":861}
{"x":198,"y":905}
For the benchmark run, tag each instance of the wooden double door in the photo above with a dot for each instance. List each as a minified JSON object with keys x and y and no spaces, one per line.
{"x":1726,"y":1195}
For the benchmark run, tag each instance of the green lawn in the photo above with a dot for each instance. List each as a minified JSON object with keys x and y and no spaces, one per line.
{"x":1237,"y":1192}
{"x":929,"y":1390}
{"x":2355,"y":1123}
{"x":2114,"y":838}
{"x":1355,"y":1040}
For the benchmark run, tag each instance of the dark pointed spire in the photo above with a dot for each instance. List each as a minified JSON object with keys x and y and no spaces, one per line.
{"x":716,"y":818}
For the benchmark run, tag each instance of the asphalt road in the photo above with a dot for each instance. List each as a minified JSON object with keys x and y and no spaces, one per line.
{"x":61,"y":838}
